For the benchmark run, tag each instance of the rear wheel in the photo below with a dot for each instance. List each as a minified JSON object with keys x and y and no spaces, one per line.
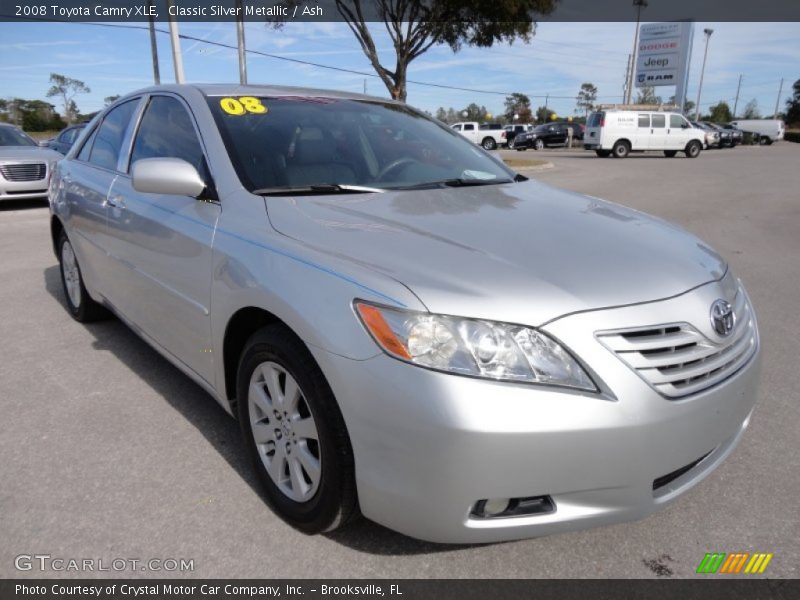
{"x":79,"y":303}
{"x":693,"y":149}
{"x":538,"y":144}
{"x":603,"y":153}
{"x":295,"y":433}
{"x":621,"y":149}
{"x":670,"y":153}
{"x":489,"y":143}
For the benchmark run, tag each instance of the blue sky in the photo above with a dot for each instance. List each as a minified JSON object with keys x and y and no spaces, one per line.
{"x":560,"y":57}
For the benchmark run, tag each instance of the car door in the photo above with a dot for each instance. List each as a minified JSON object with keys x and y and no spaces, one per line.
{"x":658,"y":131}
{"x":641,"y":138}
{"x":85,"y":182}
{"x":164,"y":242}
{"x":470,"y":132}
{"x":678,"y":133}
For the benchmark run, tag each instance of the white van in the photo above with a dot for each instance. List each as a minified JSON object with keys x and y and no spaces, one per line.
{"x":768,"y":130}
{"x":618,"y":132}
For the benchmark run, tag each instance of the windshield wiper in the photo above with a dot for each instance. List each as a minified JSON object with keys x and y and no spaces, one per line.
{"x":456,"y":182}
{"x":317,"y":190}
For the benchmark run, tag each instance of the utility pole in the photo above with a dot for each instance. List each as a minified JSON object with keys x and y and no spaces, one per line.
{"x":240,"y":42}
{"x":627,"y":79}
{"x":736,"y":102}
{"x":639,"y":4}
{"x":154,"y":47}
{"x":778,"y":100}
{"x":708,"y":33}
{"x":177,"y":59}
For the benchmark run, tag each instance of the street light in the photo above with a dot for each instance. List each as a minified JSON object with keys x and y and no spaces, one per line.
{"x":708,"y":33}
{"x":639,"y":4}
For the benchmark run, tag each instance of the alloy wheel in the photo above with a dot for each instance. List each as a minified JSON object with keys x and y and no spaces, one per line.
{"x":284,"y":431}
{"x":72,"y":276}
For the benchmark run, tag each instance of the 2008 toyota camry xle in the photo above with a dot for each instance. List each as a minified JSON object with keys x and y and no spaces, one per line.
{"x":404,"y":327}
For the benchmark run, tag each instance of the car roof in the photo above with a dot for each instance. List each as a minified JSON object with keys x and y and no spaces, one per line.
{"x":235,"y":89}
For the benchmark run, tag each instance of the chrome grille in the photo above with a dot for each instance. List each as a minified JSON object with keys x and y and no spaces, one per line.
{"x":677,"y":360}
{"x":24,"y":171}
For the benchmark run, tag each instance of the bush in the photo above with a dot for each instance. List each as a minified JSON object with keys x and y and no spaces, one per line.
{"x":792,"y":136}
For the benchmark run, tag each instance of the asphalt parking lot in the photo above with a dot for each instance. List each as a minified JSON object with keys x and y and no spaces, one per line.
{"x":109,"y":451}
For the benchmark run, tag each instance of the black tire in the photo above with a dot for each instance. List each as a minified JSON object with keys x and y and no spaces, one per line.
{"x":603,"y":153}
{"x":538,"y":144}
{"x":334,"y":504}
{"x":693,"y":149}
{"x":488,"y":143}
{"x":766,"y":140}
{"x":670,"y":153}
{"x":621,"y":149}
{"x":86,"y":309}
{"x":511,"y":145}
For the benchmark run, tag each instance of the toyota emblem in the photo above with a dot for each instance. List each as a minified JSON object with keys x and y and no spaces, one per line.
{"x":722,"y":318}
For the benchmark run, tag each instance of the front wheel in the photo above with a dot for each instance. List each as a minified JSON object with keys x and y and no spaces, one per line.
{"x":670,"y":153}
{"x":511,"y":145}
{"x":766,"y":140}
{"x":295,"y":433}
{"x":693,"y":149}
{"x":538,"y":144}
{"x":489,"y":143}
{"x":79,"y":303}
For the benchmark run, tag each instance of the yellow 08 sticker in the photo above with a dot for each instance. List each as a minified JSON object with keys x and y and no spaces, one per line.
{"x":242,"y":105}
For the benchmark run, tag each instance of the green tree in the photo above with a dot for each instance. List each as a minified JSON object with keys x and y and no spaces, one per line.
{"x":66,"y":88}
{"x":544,"y":114}
{"x":109,"y":100}
{"x":520,"y":105}
{"x":416,"y":25}
{"x":587,"y":96}
{"x":647,"y":95}
{"x":473,"y":112}
{"x":720,"y":113}
{"x":751,"y":110}
{"x":793,"y":105}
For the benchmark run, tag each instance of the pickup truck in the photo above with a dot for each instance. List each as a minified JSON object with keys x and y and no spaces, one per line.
{"x":489,"y":136}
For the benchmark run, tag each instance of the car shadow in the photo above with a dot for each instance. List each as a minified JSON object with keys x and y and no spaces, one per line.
{"x":221,"y":431}
{"x":9,"y":205}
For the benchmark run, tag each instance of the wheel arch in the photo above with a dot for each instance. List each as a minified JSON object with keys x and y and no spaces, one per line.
{"x":56,"y":227}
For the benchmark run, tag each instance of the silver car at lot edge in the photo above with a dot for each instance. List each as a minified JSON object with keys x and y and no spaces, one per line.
{"x":403,"y":326}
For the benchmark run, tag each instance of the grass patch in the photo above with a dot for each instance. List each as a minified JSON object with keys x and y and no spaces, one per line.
{"x":522,"y":163}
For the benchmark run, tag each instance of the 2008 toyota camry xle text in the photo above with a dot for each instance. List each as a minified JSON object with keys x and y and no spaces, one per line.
{"x":404,"y":327}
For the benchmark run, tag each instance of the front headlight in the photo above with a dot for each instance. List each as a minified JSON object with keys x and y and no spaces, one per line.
{"x":473,"y":347}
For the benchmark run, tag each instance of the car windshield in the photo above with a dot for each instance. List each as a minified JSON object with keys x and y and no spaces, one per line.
{"x":9,"y":136}
{"x":295,"y":142}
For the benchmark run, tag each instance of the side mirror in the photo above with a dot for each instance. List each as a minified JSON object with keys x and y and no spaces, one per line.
{"x":173,"y":176}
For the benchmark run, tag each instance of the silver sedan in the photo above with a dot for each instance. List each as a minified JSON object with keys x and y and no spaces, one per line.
{"x":403,"y":326}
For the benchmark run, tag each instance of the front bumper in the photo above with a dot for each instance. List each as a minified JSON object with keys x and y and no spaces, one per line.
{"x":429,"y":445}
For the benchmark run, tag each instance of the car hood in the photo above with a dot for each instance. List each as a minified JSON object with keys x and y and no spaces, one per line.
{"x":28,"y":153}
{"x":523,"y":252}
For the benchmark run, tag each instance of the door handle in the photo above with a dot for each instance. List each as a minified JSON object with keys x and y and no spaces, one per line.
{"x":116,"y":202}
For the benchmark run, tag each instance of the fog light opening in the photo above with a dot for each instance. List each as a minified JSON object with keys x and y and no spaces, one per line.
{"x":495,"y":508}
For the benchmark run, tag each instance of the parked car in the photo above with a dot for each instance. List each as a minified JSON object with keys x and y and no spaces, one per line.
{"x":64,"y":140}
{"x":489,"y":136}
{"x":713,"y":138}
{"x":767,"y":130}
{"x":365,"y":309}
{"x":542,"y":136}
{"x":618,"y":132}
{"x":728,"y":136}
{"x":25,"y":167}
{"x":737,"y":135}
{"x":512,"y":131}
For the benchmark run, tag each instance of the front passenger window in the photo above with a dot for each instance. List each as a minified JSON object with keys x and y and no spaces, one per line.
{"x":167,"y":131}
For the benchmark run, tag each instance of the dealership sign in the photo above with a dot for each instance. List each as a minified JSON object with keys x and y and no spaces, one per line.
{"x":662,"y":56}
